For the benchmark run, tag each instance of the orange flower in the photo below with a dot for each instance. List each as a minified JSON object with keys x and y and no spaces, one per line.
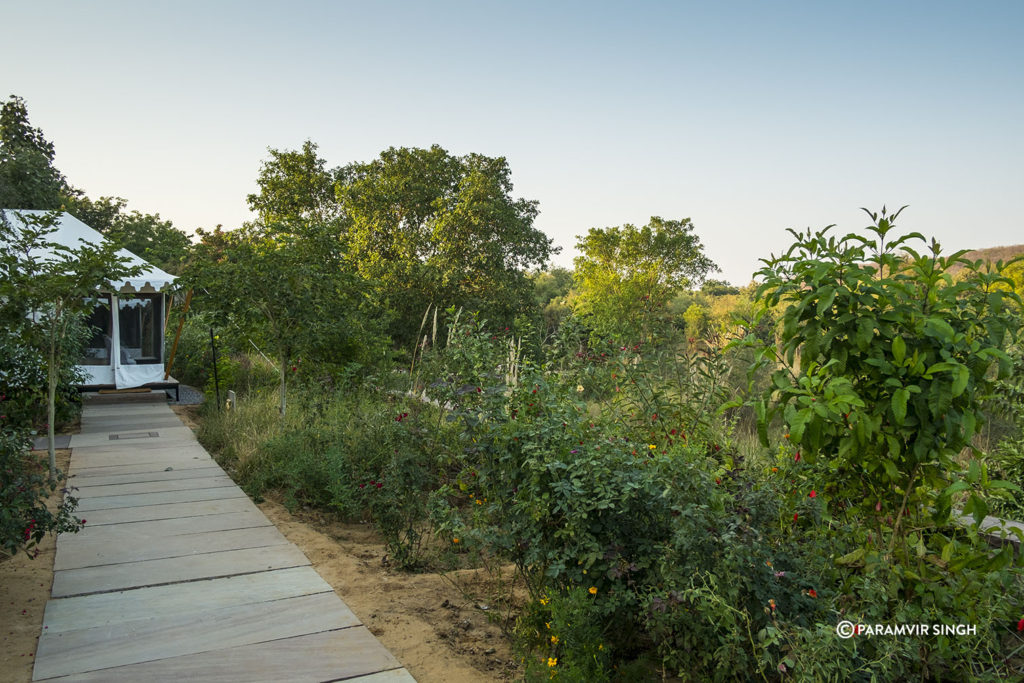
{"x":593,"y":590}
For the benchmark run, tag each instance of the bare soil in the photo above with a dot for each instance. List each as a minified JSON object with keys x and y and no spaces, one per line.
{"x":24,"y":589}
{"x":443,"y":628}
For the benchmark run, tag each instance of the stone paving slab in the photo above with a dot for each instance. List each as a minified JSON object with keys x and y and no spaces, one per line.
{"x":350,"y":654}
{"x":149,"y":499}
{"x":167,"y":528}
{"x":138,"y":547}
{"x":109,"y":646}
{"x":170,"y":511}
{"x":148,"y":461}
{"x":163,"y":485}
{"x":141,"y":434}
{"x":115,"y":577}
{"x":100,"y":478}
{"x":176,"y":600}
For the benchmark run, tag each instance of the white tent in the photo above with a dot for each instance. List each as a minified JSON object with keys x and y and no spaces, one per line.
{"x":127,"y":347}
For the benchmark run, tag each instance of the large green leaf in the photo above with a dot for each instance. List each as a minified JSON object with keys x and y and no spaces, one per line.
{"x":899,"y":405}
{"x":899,"y":350}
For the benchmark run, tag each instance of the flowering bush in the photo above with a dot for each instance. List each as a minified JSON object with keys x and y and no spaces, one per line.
{"x":24,"y":485}
{"x":885,"y":361}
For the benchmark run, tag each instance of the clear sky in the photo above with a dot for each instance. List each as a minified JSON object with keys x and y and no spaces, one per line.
{"x":747,"y":117}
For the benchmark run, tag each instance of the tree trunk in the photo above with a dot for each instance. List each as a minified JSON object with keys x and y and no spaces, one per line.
{"x":284,"y":375}
{"x":51,"y":411}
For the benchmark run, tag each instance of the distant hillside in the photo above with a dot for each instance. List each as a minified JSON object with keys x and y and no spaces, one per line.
{"x":992,"y":254}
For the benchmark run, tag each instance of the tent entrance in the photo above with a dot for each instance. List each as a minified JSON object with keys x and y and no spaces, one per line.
{"x":127,"y":342}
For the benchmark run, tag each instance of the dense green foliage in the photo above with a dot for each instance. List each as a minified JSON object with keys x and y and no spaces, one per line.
{"x":433,"y":228}
{"x":650,"y":537}
{"x":28,"y":179}
{"x":626,"y":275}
{"x":291,"y":293}
{"x":24,"y":485}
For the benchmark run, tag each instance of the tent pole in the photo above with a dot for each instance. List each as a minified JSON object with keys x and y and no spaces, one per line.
{"x":167,"y":313}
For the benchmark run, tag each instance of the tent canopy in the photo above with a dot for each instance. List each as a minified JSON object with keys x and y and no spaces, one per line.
{"x":72,"y":232}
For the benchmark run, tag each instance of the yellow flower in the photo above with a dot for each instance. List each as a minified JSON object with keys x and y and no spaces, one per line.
{"x":593,"y":590}
{"x":552,"y":662}
{"x":547,"y":625}
{"x":544,"y":601}
{"x":479,"y":502}
{"x":600,"y":646}
{"x":554,"y":640}
{"x":652,"y":447}
{"x":579,"y":388}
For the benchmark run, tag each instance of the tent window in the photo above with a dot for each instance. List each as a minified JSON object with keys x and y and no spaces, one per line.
{"x":141,"y":317}
{"x":100,"y":322}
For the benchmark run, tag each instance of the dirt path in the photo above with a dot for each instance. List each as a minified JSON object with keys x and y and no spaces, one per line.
{"x":24,"y":589}
{"x":439,"y":632}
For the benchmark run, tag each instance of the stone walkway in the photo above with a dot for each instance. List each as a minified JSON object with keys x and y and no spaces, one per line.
{"x":178,"y":576}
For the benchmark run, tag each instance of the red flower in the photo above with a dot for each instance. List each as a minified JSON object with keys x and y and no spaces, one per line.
{"x":813,"y":494}
{"x":796,"y":458}
{"x":1020,"y":625}
{"x":362,"y":486}
{"x":379,"y":485}
{"x":813,"y":593}
{"x":654,"y":417}
{"x":795,"y":515}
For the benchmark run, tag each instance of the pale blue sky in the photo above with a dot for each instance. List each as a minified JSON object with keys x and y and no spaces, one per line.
{"x":748,"y":117}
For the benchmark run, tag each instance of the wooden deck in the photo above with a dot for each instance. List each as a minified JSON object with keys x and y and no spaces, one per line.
{"x":178,"y":576}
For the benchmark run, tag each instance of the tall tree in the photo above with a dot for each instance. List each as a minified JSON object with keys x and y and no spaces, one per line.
{"x":431,"y":227}
{"x":296,"y":188}
{"x":289,"y":292}
{"x":625,"y":275}
{"x":28,"y":179}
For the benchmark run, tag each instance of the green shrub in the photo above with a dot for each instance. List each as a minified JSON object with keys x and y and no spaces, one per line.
{"x":24,"y":485}
{"x":885,"y":363}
